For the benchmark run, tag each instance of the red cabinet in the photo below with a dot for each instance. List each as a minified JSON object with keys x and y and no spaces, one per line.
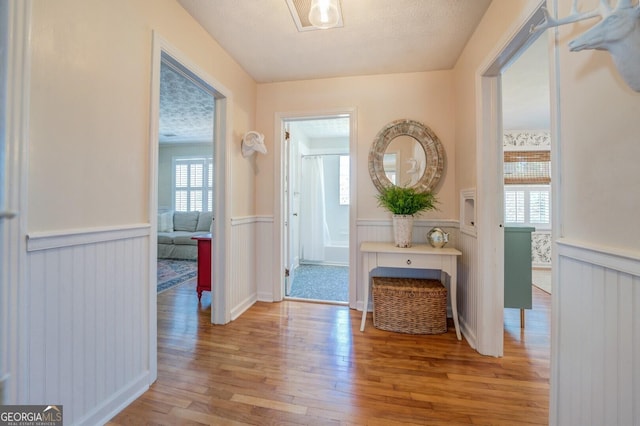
{"x":204,"y":263}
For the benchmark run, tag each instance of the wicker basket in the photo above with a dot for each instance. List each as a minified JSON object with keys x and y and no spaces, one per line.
{"x":409,"y":305}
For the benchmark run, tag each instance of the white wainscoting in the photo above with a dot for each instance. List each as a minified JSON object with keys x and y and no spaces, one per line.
{"x":88,"y":321}
{"x":468,"y":287}
{"x":596,"y":373}
{"x":265,"y":258}
{"x":242,"y":287}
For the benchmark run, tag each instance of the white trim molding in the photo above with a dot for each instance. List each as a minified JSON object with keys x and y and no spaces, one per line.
{"x":58,"y":239}
{"x":14,"y":300}
{"x":243,"y":220}
{"x":606,"y":257}
{"x":445,"y":223}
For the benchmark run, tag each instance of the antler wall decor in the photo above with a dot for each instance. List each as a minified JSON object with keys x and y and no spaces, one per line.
{"x":618,"y":32}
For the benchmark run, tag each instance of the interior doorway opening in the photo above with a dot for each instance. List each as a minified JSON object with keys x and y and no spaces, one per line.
{"x":490,"y":175}
{"x":317,"y":208}
{"x":526,"y":145}
{"x":220,"y":313}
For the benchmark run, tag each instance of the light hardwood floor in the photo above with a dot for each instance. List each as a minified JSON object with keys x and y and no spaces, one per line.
{"x":297,"y":363}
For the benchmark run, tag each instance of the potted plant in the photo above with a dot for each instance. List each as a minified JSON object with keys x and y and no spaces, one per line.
{"x":404,"y":203}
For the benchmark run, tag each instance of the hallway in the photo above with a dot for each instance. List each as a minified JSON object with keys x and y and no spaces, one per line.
{"x":304,"y":363}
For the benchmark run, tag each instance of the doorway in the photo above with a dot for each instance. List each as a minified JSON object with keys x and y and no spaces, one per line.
{"x":526,"y":144}
{"x":317,"y":206}
{"x":221,"y":133}
{"x":490,"y":175}
{"x":186,"y":187}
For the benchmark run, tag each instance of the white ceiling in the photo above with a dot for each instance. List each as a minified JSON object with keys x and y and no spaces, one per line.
{"x":322,"y":128}
{"x":525,"y":90}
{"x":378,"y":36}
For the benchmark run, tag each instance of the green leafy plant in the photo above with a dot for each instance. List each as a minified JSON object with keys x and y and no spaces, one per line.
{"x":406,"y":201}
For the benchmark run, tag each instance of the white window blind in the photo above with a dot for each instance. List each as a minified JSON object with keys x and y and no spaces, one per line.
{"x":527,"y":205}
{"x":193,"y":188}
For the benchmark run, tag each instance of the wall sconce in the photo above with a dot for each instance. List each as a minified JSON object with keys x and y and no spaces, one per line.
{"x":324,"y":14}
{"x":253,"y":142}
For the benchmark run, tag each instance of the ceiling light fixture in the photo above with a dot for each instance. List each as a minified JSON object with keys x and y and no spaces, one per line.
{"x":324,"y":14}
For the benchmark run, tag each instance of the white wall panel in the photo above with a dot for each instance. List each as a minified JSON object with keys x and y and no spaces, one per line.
{"x":597,"y":349}
{"x":265,"y":255}
{"x":88,"y":295}
{"x":242,"y":289}
{"x":468,"y":287}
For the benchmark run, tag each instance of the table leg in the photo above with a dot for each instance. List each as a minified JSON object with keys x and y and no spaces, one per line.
{"x":453,"y":286}
{"x":365,"y":303}
{"x":365,"y":280}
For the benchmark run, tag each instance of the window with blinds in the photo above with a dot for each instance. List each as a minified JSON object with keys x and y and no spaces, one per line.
{"x":193,"y":184}
{"x":528,"y":205}
{"x":527,"y":167}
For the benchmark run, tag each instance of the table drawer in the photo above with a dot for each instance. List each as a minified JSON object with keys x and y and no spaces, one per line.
{"x":399,"y":260}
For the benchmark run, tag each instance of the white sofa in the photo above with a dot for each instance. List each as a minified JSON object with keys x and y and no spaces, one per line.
{"x":175,"y":230}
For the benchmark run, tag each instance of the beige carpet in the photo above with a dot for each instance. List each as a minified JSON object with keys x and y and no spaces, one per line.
{"x":542,"y":279}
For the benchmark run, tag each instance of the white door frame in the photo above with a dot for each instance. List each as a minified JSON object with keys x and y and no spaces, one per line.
{"x":220,"y":310}
{"x":13,"y":302}
{"x":279,"y":175}
{"x":490,"y":337}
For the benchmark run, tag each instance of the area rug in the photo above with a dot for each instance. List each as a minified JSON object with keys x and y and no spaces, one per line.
{"x":172,"y":273}
{"x":321,"y":282}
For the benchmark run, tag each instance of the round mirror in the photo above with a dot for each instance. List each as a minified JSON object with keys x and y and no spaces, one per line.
{"x":406,"y":153}
{"x":404,"y":161}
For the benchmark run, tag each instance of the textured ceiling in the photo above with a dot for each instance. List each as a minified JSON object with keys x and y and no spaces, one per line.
{"x":186,"y":108}
{"x":378,"y":36}
{"x":323,"y":128}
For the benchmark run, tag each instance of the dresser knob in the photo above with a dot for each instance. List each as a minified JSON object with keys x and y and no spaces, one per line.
{"x":408,"y":261}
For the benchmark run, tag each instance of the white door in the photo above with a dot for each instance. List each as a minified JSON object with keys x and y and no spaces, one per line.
{"x":291,"y":207}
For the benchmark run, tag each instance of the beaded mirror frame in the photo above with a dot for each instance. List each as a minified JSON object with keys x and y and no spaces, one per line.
{"x":433,"y":149}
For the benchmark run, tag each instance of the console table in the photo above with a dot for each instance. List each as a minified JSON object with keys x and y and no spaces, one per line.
{"x":419,"y":256}
{"x":204,"y":263}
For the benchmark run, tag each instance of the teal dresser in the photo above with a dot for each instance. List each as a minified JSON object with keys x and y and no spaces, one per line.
{"x":517,"y":269}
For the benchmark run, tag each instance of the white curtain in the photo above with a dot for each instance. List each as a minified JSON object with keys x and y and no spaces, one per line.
{"x":314,"y":231}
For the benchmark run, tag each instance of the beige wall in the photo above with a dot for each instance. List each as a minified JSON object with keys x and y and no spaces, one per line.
{"x":497,"y":23}
{"x":90,"y":106}
{"x":600,"y":147}
{"x":598,"y":130}
{"x":425,"y":97}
